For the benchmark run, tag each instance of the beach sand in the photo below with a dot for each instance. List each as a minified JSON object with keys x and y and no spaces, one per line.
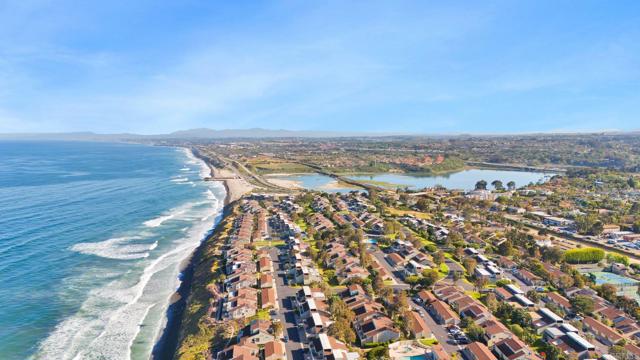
{"x":236,"y":186}
{"x":337,"y":185}
{"x":285,"y":183}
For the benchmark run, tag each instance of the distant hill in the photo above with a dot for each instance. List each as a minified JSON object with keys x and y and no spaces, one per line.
{"x":258,"y":133}
{"x":202,"y":133}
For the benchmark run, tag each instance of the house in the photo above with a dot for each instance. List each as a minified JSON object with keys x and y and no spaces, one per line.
{"x":268,"y":298}
{"x":257,"y":332}
{"x":503,"y":294}
{"x":244,"y":351}
{"x":425,"y":297}
{"x":274,"y":350}
{"x":545,"y":318}
{"x":265,"y":264}
{"x":512,"y":349}
{"x":379,"y":329}
{"x":528,"y":277}
{"x":266,"y":281}
{"x":633,"y":351}
{"x":437,"y":352}
{"x":324,"y":347}
{"x":395,"y":260}
{"x":494,"y":331}
{"x":523,"y":301}
{"x":559,"y":301}
{"x":417,"y":326}
{"x":442,"y":313}
{"x":239,"y":281}
{"x":602,"y":332}
{"x":478,"y":312}
{"x":567,"y":339}
{"x":477,"y":351}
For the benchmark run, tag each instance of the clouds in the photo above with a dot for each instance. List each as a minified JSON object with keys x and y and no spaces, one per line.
{"x":404,"y":66}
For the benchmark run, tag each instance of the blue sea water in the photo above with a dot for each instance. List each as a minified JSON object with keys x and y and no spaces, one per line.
{"x":92,"y":240}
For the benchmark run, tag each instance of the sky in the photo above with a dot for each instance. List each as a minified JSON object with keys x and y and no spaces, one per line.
{"x":156,"y":66}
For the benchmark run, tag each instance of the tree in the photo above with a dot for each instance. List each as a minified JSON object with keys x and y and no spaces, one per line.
{"x":582,"y":304}
{"x":475,"y":332}
{"x":552,"y":254}
{"x":608,"y":292}
{"x":497,"y":184}
{"x":277,"y":328}
{"x":412,"y":280}
{"x":480,"y":283}
{"x":429,"y":277}
{"x":511,"y":185}
{"x":378,"y":283}
{"x":565,"y":282}
{"x":491,"y":301}
{"x":586,"y":255}
{"x":481,"y":185}
{"x":505,"y":248}
{"x":438,"y":258}
{"x":469,"y":264}
{"x":533,"y":296}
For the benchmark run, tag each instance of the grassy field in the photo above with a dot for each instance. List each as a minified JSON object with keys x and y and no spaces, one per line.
{"x":274,"y":166}
{"x":265,"y":243}
{"x":398,"y":212}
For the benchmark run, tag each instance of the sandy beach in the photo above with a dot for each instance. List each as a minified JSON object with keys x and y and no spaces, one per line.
{"x":335,"y":185}
{"x":236,"y":186}
{"x":285,"y":183}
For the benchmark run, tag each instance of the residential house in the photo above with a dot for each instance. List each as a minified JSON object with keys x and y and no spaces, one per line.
{"x":477,"y":351}
{"x":274,"y":350}
{"x":512,"y":349}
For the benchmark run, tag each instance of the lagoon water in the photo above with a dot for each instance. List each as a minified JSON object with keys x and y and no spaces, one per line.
{"x":465,"y":179}
{"x":92,"y":237}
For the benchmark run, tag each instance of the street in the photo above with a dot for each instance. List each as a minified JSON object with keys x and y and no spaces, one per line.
{"x":286,"y":314}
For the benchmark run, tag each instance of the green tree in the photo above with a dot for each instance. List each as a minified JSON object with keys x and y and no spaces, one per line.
{"x":497,"y":184}
{"x":469,"y":264}
{"x":429,"y":277}
{"x":481,"y":185}
{"x":511,"y":185}
{"x":582,"y":304}
{"x":412,"y":280}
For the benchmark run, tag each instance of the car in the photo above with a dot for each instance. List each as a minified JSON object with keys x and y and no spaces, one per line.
{"x":285,"y":338}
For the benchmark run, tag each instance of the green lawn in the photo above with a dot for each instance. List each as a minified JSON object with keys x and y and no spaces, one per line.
{"x":265,"y":243}
{"x":429,"y":342}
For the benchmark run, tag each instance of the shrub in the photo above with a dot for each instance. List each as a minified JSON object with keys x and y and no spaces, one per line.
{"x":586,"y":255}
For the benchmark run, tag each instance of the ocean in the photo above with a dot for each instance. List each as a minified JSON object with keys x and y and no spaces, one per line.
{"x":92,"y":240}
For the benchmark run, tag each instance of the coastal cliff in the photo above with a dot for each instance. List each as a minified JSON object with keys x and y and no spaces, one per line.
{"x":197,"y":331}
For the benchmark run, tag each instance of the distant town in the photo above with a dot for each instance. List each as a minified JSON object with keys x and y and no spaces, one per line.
{"x":370,"y":270}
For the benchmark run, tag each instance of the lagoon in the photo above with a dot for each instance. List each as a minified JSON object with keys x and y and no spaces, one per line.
{"x":464,"y":180}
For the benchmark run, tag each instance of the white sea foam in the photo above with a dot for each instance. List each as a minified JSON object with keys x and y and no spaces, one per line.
{"x":205,"y":171}
{"x":117,"y":248}
{"x":179,"y":180}
{"x":109,"y":321}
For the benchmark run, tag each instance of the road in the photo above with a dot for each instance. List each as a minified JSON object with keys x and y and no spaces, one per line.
{"x":286,"y":313}
{"x":439,"y":331}
{"x":398,"y":284}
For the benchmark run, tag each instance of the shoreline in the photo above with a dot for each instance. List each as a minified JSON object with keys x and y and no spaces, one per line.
{"x":168,"y":342}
